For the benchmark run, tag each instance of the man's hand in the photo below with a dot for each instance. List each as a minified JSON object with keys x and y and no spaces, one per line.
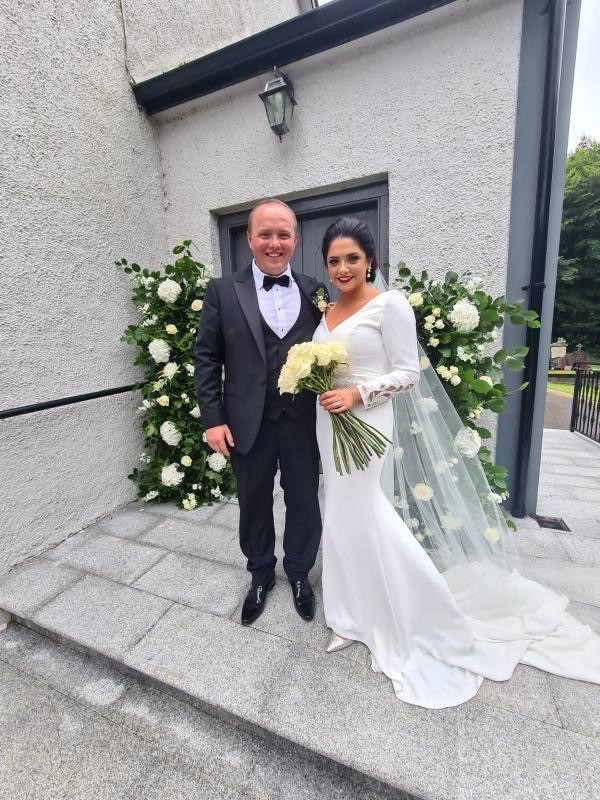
{"x":218,"y":438}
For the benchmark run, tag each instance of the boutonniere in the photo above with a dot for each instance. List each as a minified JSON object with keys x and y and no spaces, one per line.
{"x":320,"y":298}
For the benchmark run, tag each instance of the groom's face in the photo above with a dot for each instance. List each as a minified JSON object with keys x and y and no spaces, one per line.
{"x":272,"y":238}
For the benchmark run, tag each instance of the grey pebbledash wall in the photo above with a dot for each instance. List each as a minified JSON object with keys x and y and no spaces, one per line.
{"x":81,"y":181}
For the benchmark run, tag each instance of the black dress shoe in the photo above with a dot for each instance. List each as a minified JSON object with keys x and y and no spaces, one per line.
{"x":304,"y":598}
{"x":254,"y":603}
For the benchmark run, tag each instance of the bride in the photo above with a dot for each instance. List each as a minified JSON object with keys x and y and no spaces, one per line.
{"x":430,"y":582}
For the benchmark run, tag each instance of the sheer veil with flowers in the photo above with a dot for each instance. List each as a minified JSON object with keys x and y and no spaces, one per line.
{"x":437,"y":485}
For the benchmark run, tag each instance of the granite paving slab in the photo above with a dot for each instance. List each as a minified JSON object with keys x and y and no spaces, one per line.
{"x":541,"y":544}
{"x":108,"y":556}
{"x":105,"y":616}
{"x":274,"y":684}
{"x":128,"y":522}
{"x":583,"y":549}
{"x":578,"y":582}
{"x":207,"y":585}
{"x":32,"y":583}
{"x":501,"y":754}
{"x":207,"y":540}
{"x":527,"y":692}
{"x":577,"y":704}
{"x":198,"y":515}
{"x":71,"y":753}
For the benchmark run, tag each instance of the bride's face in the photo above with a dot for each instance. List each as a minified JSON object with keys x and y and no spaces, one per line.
{"x":347,"y":265}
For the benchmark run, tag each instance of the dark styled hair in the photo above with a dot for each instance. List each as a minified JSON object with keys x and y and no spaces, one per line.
{"x":352,"y":228}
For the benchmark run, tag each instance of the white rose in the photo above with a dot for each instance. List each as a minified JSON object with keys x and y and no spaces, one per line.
{"x":216,"y":492}
{"x":159,"y":350}
{"x":170,"y":370}
{"x":150,"y":496}
{"x":170,"y":476}
{"x":455,"y":380}
{"x":428,"y":326}
{"x":169,"y":290}
{"x":322,"y":306}
{"x":429,"y":405}
{"x":197,"y":305}
{"x":415,"y":299}
{"x":436,"y":311}
{"x":433,"y":342}
{"x":464,"y":316}
{"x":468,"y":442}
{"x":189,"y":502}
{"x":186,"y":461}
{"x":190,"y":369}
{"x":195,"y":412}
{"x":424,"y":362}
{"x":430,"y":318}
{"x":439,"y":324}
{"x":163,"y":400}
{"x":492,"y":535}
{"x":170,"y":433}
{"x":171,"y":329}
{"x":217,"y":462}
{"x":422,"y":491}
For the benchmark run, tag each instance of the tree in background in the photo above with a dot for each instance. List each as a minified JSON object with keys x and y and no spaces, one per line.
{"x":577,"y":305}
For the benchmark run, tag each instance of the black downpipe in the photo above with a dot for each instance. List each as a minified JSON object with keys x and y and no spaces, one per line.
{"x":556,"y":32}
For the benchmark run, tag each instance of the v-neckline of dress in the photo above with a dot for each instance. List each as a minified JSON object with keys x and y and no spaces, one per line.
{"x":331,"y":330}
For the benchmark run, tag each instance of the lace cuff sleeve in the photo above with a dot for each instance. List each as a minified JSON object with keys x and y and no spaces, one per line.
{"x":399,"y":335}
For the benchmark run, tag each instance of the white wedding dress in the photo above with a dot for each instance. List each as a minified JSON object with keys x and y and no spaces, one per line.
{"x":435,"y":634}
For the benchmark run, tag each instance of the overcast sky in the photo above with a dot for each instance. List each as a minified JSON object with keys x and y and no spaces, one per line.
{"x":585,"y":111}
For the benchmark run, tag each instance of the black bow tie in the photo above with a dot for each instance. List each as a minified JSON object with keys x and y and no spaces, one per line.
{"x":269,"y":282}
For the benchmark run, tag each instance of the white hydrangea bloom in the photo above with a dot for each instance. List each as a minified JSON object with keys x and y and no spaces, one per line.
{"x":159,"y":350}
{"x":147,"y":281}
{"x":189,"y":502}
{"x":150,"y":496}
{"x":468,"y":442}
{"x":216,"y":492}
{"x":171,"y":476}
{"x":169,"y":290}
{"x":217,"y":462}
{"x":464,"y":316}
{"x":170,"y":433}
{"x":422,"y":492}
{"x":474,"y":283}
{"x":147,"y":323}
{"x":170,"y":370}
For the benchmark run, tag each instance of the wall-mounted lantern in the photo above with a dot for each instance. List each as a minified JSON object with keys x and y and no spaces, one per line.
{"x":279,"y":101}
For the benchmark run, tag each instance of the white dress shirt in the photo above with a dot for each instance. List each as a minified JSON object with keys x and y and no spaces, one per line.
{"x":280,"y":306}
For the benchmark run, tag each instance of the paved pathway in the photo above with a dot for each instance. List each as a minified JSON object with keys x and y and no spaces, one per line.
{"x":157,"y":591}
{"x":557,"y":413}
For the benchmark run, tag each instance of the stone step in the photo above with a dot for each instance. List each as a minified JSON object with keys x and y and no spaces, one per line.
{"x":156,"y":592}
{"x":120,"y":738}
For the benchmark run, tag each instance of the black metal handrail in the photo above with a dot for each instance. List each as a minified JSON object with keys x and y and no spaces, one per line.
{"x":585,"y":411}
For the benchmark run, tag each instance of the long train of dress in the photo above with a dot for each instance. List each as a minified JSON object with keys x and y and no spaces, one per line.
{"x":435,"y":635}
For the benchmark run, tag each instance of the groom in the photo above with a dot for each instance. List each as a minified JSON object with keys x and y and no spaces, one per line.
{"x":248,"y":323}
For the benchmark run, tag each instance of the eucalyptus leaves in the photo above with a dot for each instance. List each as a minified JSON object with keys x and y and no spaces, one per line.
{"x":458,"y":324}
{"x":177,"y":464}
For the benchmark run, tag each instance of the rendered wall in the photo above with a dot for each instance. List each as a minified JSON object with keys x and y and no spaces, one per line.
{"x":429,"y":103}
{"x":162,"y":36}
{"x":80,"y":180}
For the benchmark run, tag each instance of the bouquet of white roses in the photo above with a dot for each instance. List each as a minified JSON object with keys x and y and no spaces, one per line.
{"x":311,"y":366}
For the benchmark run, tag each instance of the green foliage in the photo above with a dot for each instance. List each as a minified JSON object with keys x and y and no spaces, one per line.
{"x":164,"y":337}
{"x":578,"y":283}
{"x":457,"y":325}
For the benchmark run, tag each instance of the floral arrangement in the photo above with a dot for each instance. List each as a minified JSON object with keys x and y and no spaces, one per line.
{"x":178,"y":464}
{"x":458,"y":324}
{"x":312,"y":366}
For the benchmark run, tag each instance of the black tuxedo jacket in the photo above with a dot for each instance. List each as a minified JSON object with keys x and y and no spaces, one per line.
{"x":230,"y":338}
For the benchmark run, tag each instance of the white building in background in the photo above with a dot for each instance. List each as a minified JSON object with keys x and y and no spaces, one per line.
{"x":430,"y":121}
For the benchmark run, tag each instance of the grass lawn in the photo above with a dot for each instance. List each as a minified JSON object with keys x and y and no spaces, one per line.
{"x":564,"y":388}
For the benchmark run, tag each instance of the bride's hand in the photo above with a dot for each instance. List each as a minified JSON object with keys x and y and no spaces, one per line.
{"x":337,"y":400}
